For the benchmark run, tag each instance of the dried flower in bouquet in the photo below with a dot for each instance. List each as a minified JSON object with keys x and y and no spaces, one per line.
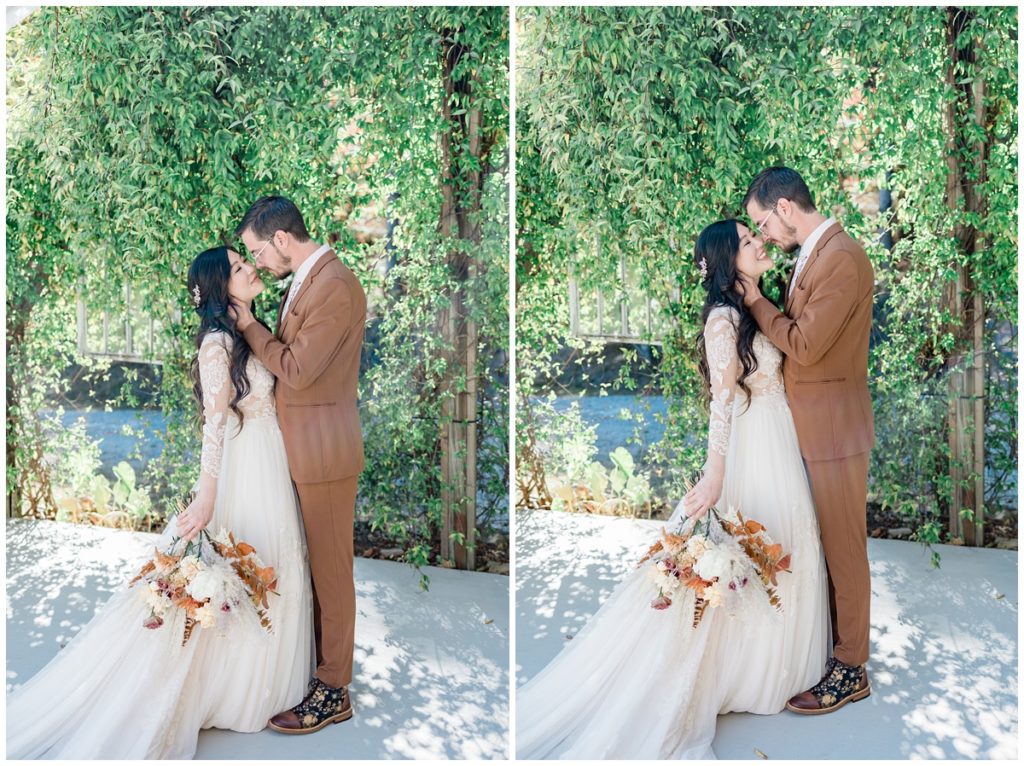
{"x":214,"y":580}
{"x":729,"y":561}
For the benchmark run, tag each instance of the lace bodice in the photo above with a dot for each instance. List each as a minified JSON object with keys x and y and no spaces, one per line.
{"x":214,"y":365}
{"x":724,"y":366}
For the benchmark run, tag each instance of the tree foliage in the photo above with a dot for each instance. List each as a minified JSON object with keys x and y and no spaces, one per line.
{"x":137,"y":136}
{"x":636,"y":127}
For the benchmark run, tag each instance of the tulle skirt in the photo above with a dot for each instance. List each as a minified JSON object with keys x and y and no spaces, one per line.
{"x":641,"y":683}
{"x":119,"y":690}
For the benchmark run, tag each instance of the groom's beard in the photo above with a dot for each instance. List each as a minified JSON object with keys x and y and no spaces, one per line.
{"x":286,"y":269}
{"x":792,"y":246}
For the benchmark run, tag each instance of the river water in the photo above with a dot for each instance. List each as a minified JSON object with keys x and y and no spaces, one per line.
{"x":610,"y":414}
{"x":108,"y":429}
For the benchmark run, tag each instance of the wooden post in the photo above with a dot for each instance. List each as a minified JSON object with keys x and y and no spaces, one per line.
{"x":623,"y":299}
{"x":966,"y":410}
{"x":129,"y":340}
{"x":461,"y":189}
{"x":953,"y":297}
{"x":977,"y":205}
{"x":14,"y":501}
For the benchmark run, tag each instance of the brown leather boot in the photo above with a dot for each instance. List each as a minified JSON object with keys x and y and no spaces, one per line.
{"x":841,"y":683}
{"x":323,"y":705}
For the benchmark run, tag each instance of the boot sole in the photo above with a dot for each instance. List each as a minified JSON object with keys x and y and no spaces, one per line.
{"x":333,"y":719}
{"x":855,"y":697}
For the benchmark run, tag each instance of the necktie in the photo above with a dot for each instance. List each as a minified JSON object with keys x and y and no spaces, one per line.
{"x":796,"y":272}
{"x":292,"y":292}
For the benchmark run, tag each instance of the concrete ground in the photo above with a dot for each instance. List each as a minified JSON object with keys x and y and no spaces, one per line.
{"x":431,"y":668}
{"x":944,"y":662}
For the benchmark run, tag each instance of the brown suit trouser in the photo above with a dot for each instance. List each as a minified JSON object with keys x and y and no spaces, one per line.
{"x":840,"y":489}
{"x":328,"y":514}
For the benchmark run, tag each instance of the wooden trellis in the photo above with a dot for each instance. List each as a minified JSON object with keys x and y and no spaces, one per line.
{"x":626,"y":314}
{"x":132,"y":336}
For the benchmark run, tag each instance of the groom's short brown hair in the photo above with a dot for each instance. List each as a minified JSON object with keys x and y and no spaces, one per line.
{"x":777,"y":183}
{"x":270,"y":214}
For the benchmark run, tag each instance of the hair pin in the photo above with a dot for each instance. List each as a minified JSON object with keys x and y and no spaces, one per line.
{"x":196,"y":296}
{"x":703,"y":269}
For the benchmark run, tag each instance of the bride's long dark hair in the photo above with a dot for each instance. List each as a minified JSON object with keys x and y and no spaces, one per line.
{"x":208,"y":278}
{"x":717,"y":246}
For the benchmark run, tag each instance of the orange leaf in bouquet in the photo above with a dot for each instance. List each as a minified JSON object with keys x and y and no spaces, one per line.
{"x":775,"y":568}
{"x":186,"y":602}
{"x":697,"y":584}
{"x":656,"y":548}
{"x":163,"y":560}
{"x":245,"y":549}
{"x":673,"y":543}
{"x":148,"y":567}
{"x":752,"y":527}
{"x":266,"y":575}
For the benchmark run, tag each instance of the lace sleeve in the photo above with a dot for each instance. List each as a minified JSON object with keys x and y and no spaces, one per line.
{"x":723,"y":365}
{"x":213,"y":374}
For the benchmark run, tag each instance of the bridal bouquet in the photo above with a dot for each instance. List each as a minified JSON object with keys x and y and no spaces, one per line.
{"x":214,"y":580}
{"x":732,"y":562}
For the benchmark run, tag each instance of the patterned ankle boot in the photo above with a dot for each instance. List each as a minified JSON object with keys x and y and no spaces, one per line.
{"x":323,"y":705}
{"x":841,"y":683}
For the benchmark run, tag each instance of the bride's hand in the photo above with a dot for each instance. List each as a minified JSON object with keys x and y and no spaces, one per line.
{"x":195,"y":518}
{"x":703,"y":496}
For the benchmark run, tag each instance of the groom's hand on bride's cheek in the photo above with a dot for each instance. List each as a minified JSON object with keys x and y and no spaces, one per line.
{"x":241,"y":313}
{"x":749,"y":289}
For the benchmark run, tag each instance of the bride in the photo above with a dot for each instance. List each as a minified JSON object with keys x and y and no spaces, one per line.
{"x":641,"y":683}
{"x":119,"y":690}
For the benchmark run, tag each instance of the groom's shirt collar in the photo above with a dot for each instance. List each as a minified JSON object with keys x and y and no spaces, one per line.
{"x":309,"y":263}
{"x":300,"y":277}
{"x":812,"y":241}
{"x":805,"y":251}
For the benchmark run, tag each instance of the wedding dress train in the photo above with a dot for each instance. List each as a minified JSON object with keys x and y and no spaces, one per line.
{"x":636,"y":682}
{"x":119,"y":690}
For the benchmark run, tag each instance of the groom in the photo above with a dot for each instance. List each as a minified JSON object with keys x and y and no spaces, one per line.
{"x":315,"y":357}
{"x":824,"y":335}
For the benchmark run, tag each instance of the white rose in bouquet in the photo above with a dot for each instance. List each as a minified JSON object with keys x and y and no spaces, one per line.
{"x":696,"y":546}
{"x":190,"y":567}
{"x":206,"y":585}
{"x":716,"y":563}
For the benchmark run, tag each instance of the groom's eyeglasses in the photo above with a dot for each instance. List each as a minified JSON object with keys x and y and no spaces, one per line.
{"x":258,"y":253}
{"x":760,"y":226}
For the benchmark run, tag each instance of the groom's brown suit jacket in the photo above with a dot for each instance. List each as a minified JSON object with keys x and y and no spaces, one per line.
{"x":317,"y":372}
{"x":824,"y":335}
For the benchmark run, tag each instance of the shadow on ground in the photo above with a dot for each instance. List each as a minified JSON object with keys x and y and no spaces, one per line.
{"x":431,"y":669}
{"x":943,"y":663}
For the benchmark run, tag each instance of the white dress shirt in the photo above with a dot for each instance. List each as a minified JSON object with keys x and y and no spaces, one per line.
{"x":808,"y":247}
{"x":300,"y":276}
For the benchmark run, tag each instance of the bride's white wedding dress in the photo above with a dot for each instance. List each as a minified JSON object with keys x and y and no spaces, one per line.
{"x":119,"y":690}
{"x":641,"y":683}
